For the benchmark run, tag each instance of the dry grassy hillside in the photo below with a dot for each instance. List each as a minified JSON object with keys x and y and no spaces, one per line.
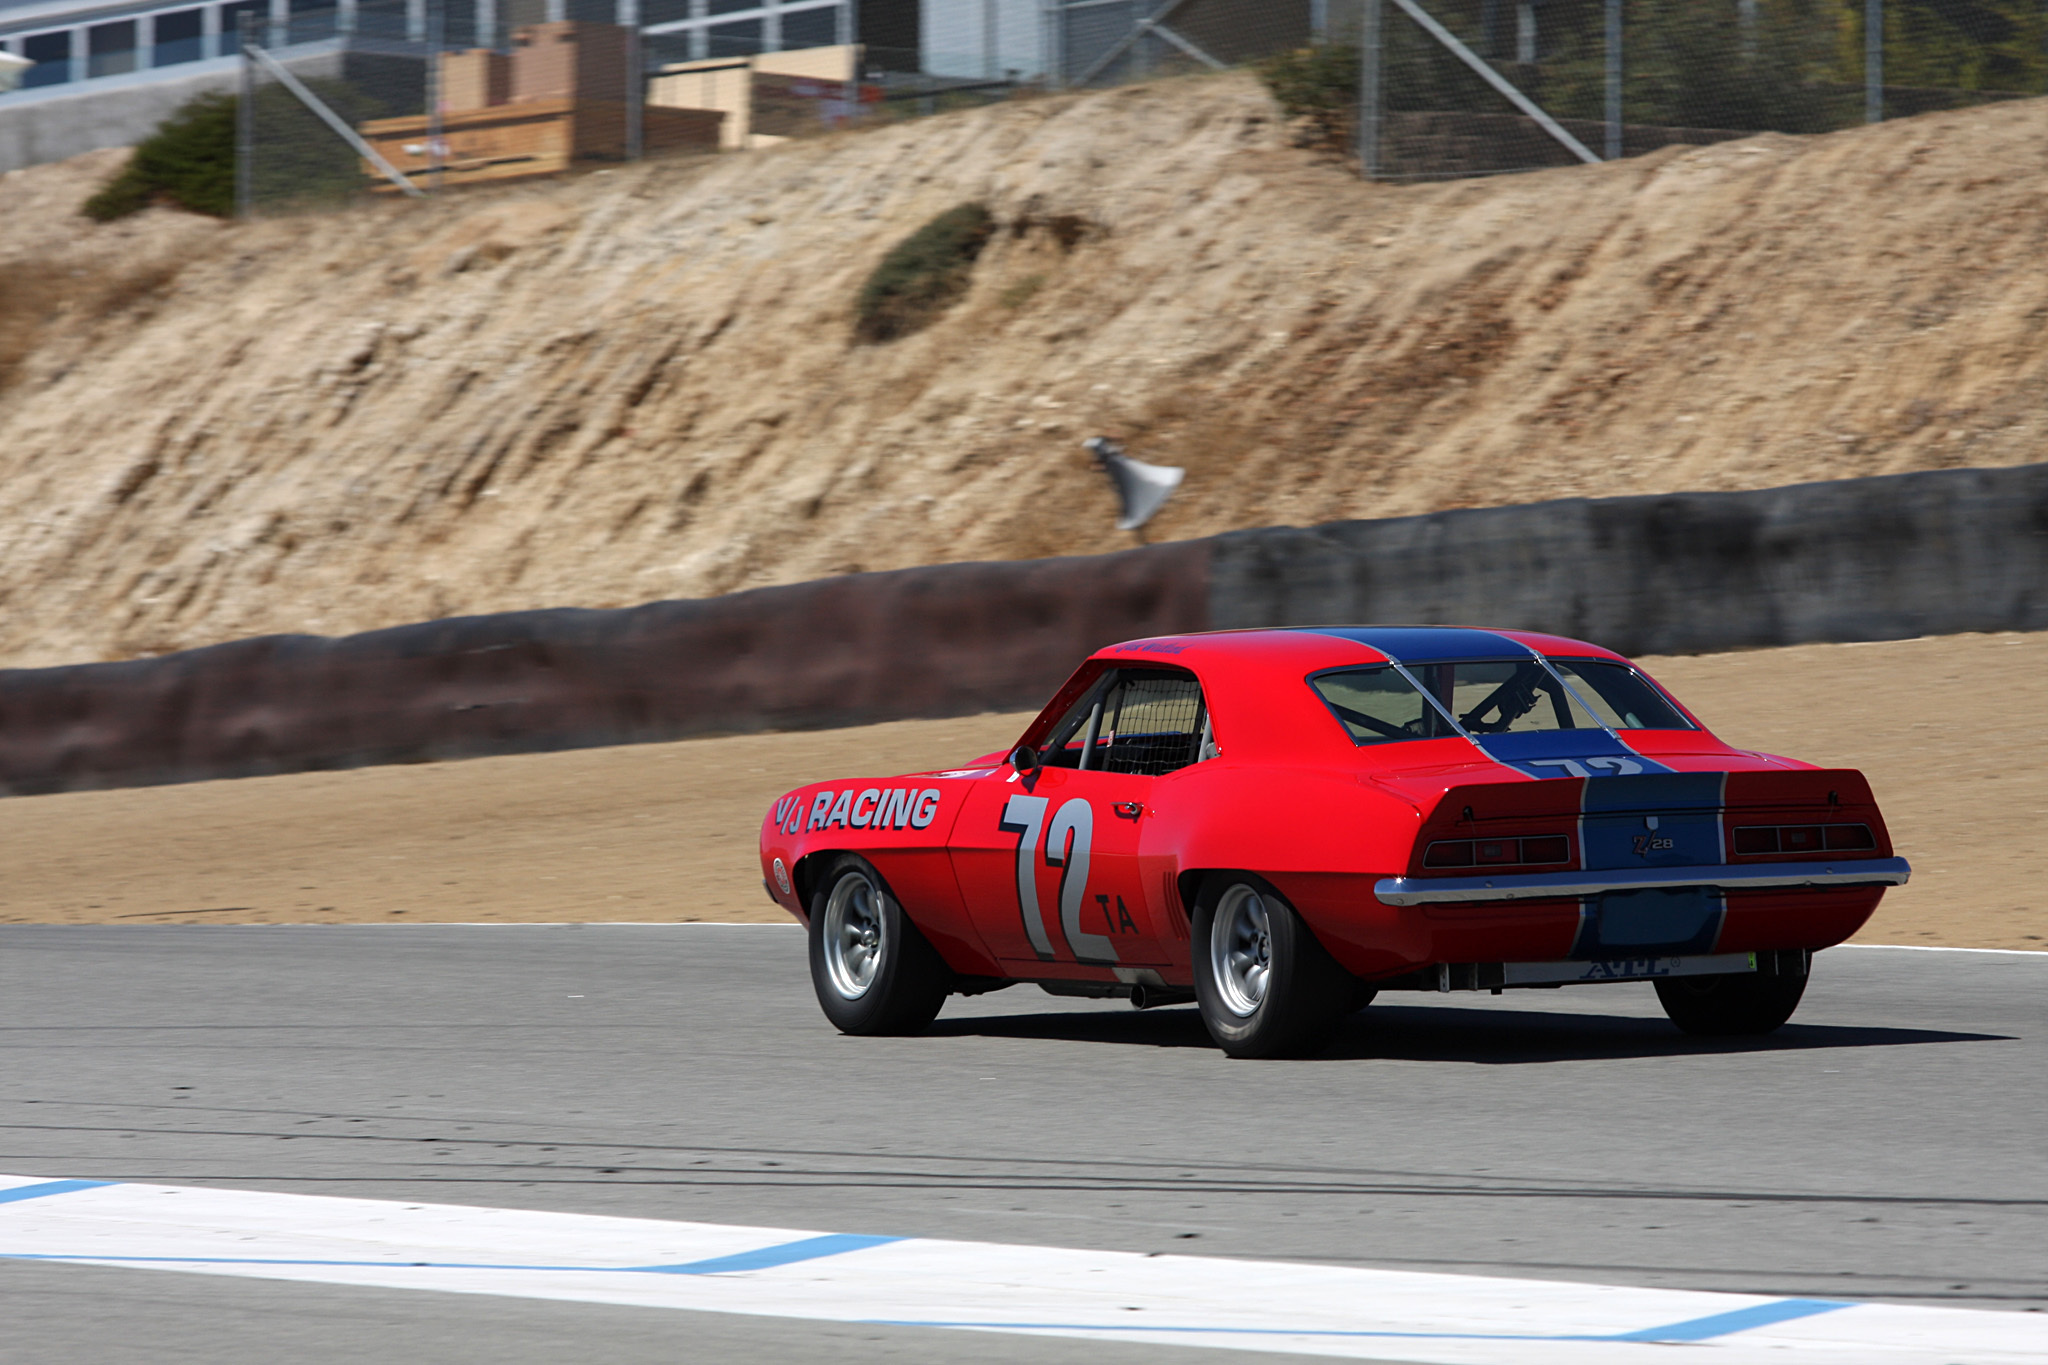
{"x":642,"y":384}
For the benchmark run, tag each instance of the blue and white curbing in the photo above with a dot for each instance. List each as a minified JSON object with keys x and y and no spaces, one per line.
{"x":913,"y":1281}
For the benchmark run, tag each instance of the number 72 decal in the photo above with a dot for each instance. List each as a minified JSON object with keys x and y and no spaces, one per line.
{"x":1066,"y":846}
{"x":1591,"y":767}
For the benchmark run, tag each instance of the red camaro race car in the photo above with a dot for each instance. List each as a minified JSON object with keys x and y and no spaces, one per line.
{"x":1278,"y":824}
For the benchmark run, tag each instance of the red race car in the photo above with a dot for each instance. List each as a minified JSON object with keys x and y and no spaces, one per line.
{"x":1278,"y":824}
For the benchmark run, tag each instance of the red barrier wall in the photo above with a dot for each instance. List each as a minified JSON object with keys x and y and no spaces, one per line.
{"x":945,"y":640}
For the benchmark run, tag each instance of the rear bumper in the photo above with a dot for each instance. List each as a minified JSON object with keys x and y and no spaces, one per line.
{"x":1565,"y":885}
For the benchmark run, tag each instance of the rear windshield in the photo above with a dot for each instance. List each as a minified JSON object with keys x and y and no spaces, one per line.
{"x":1493,"y":697}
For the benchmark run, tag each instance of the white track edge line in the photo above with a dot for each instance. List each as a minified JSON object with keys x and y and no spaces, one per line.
{"x":1941,"y":948}
{"x":1449,"y":1319}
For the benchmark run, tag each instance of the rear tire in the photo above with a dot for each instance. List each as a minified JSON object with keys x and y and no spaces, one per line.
{"x":873,"y":971}
{"x":1745,"y":1005}
{"x":1265,"y":986}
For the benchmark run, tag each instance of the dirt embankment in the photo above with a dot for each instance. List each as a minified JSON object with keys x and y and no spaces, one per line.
{"x":643,"y":384}
{"x":667,"y":832}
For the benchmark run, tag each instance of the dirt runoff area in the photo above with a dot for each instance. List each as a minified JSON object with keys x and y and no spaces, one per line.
{"x":1945,"y":727}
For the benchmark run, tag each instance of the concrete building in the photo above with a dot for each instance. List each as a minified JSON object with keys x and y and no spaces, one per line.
{"x":984,"y":39}
{"x":102,"y":73}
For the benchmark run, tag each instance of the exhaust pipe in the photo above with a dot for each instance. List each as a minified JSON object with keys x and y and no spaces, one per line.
{"x":1146,"y":997}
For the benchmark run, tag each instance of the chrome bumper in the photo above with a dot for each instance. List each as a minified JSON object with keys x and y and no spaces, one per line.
{"x":1527,"y":886}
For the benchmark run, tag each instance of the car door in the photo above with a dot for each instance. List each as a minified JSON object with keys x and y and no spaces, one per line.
{"x":1049,"y":860}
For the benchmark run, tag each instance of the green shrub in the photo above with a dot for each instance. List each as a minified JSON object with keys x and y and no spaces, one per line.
{"x":1318,"y":85}
{"x":923,"y":276}
{"x":189,"y":160}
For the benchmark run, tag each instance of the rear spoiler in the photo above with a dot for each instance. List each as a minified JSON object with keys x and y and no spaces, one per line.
{"x":1566,"y":885}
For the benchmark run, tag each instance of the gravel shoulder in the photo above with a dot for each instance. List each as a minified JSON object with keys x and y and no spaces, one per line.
{"x":664,"y":832}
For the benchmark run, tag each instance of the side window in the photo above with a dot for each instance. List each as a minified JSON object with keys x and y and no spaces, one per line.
{"x":1142,"y":721}
{"x":1377,"y":705}
{"x":1153,"y":722}
{"x":1619,"y":695}
{"x":1076,"y":741}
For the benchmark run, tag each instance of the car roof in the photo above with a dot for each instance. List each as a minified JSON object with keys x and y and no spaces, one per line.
{"x":1289,"y":645}
{"x":1260,"y":673}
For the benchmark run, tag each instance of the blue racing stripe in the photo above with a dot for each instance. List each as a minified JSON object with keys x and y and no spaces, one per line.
{"x":1674,"y":922}
{"x":49,"y":1187}
{"x":1662,"y":819}
{"x":1567,"y":753}
{"x":809,"y":1249}
{"x":1665,"y":791}
{"x":1740,"y":1320}
{"x":1685,"y":808}
{"x":1427,"y":644}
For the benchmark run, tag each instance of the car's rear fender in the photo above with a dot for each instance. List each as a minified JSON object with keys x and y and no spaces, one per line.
{"x":1279,"y":820}
{"x":1319,"y":836}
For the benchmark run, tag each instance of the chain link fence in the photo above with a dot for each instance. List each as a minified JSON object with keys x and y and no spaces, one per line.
{"x":1453,"y":88}
{"x":299,"y":144}
{"x":381,"y":97}
{"x":398,"y":97}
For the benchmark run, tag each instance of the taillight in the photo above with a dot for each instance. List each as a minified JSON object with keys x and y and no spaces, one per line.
{"x":1530,"y":852}
{"x":1765,"y":839}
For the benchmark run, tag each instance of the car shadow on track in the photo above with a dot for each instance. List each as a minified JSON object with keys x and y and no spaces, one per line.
{"x":1498,"y":1037}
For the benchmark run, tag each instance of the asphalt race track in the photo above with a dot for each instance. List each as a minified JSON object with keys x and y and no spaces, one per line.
{"x":1890,"y":1145}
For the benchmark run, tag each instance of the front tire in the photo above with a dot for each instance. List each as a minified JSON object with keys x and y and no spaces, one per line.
{"x":873,"y":971}
{"x":1747,"y":1005}
{"x":1265,"y":986}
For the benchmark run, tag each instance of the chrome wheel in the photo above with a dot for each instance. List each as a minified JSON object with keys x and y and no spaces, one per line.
{"x":853,"y":935}
{"x":1241,"y":950}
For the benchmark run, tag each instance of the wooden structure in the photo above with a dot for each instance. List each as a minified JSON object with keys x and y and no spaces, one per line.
{"x":534,"y":138}
{"x":558,"y":98}
{"x":772,"y":96}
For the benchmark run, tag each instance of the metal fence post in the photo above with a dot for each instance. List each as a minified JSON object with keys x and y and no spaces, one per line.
{"x":636,"y":83}
{"x":1371,"y":98}
{"x":1873,"y":61}
{"x":1479,"y":67}
{"x":1614,"y":80}
{"x":437,"y":18}
{"x":245,"y":120}
{"x":1055,"y":39}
